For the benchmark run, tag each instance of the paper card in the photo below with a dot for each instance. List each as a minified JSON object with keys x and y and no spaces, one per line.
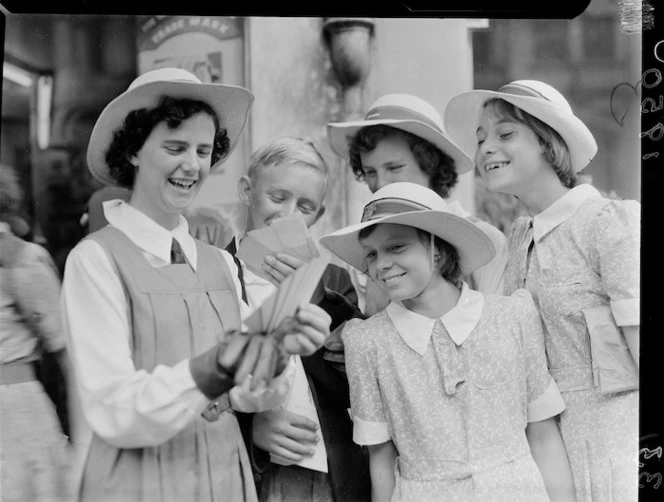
{"x":294,"y":290}
{"x":253,"y":254}
{"x":288,"y":234}
{"x":300,"y":400}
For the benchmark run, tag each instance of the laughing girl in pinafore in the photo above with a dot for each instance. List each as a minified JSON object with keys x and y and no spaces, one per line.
{"x":578,"y":254}
{"x":154,"y":317}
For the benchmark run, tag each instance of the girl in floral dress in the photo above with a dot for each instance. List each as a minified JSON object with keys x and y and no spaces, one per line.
{"x":449,"y":387}
{"x":578,"y":254}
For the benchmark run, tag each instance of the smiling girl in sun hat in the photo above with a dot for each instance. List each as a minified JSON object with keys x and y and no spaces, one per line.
{"x":154,"y":317}
{"x":449,"y":387}
{"x":402,"y":138}
{"x":578,"y":254}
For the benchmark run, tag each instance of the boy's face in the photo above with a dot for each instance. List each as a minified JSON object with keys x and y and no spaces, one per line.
{"x":280,"y":190}
{"x":390,"y":161}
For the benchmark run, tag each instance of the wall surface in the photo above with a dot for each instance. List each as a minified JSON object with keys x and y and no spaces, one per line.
{"x":297,"y":91}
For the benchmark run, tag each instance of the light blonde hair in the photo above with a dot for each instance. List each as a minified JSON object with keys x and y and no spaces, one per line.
{"x":291,"y":150}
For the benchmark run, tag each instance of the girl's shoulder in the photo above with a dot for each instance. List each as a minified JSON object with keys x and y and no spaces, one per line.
{"x":617,"y":211}
{"x":365,"y":329}
{"x":519,"y":305}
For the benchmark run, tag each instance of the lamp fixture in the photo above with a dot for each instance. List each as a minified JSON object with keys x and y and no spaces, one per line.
{"x":17,"y":74}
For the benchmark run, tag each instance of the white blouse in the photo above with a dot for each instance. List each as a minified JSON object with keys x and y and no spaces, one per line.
{"x":125,"y":406}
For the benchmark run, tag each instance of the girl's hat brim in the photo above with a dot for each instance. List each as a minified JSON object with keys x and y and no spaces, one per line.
{"x":405,"y":112}
{"x":473,"y":245}
{"x":462,"y":114}
{"x":231,"y":104}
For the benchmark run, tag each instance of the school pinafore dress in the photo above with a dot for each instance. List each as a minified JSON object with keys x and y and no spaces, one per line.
{"x":580,"y":260}
{"x":176,"y":313}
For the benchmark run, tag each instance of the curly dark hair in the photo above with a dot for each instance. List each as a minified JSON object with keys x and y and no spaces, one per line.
{"x":138,"y":125}
{"x":432,"y":161}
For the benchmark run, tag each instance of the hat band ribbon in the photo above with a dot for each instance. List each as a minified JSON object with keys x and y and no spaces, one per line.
{"x":390,"y":206}
{"x":393,"y":112}
{"x":521,"y":90}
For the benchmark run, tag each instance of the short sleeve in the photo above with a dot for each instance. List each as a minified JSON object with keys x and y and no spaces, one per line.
{"x":544,"y":399}
{"x":617,"y":252}
{"x":489,"y":278}
{"x":369,"y":422}
{"x":38,"y":296}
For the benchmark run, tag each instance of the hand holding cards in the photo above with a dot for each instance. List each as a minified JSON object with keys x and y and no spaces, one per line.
{"x":288,"y":235}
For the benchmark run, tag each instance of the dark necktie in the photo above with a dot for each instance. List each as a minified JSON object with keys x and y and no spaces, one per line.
{"x":529,"y":243}
{"x":240,"y":275}
{"x":177,"y":256}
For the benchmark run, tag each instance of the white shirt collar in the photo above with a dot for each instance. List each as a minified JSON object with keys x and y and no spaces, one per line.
{"x":562,"y":209}
{"x":416,"y":329}
{"x":5,"y":228}
{"x":148,"y":234}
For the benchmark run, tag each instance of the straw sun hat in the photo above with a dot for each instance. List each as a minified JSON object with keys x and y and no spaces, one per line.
{"x":413,"y":205}
{"x":231,"y":103}
{"x":532,"y":96}
{"x":408,"y":113}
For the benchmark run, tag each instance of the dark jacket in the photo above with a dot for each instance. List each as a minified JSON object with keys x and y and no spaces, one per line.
{"x":348,"y":463}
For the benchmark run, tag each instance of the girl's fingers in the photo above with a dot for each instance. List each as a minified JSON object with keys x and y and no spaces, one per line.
{"x":314,"y":316}
{"x":299,"y":344}
{"x":235,"y":346}
{"x":248,"y":361}
{"x":264,"y":368}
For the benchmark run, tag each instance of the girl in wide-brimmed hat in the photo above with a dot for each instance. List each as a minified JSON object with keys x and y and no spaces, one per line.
{"x":578,"y":253}
{"x":447,"y":382}
{"x":154,"y":317}
{"x":402,"y":138}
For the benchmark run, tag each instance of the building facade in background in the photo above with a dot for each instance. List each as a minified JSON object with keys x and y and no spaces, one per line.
{"x":304,"y":73}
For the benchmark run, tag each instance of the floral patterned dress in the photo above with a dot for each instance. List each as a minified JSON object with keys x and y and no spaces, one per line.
{"x":583,"y":272}
{"x":454,"y":395}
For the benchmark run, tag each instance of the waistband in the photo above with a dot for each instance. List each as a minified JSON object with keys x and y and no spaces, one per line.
{"x":452,"y":470}
{"x":17,"y":373}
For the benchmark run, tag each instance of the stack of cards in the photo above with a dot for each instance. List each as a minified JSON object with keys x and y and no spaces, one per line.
{"x":288,"y":234}
{"x":297,"y":288}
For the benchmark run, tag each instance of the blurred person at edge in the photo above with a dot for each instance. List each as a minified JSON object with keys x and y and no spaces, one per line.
{"x":154,"y":317}
{"x":36,"y":455}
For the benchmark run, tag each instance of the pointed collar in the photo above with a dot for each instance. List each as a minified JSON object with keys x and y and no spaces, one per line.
{"x":562,"y":209}
{"x":149,"y":235}
{"x":416,"y":329}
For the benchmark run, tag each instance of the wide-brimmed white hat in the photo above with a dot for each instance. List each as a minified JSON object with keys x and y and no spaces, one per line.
{"x":408,"y":113}
{"x":534,"y":97}
{"x":413,"y":205}
{"x":231,"y":103}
